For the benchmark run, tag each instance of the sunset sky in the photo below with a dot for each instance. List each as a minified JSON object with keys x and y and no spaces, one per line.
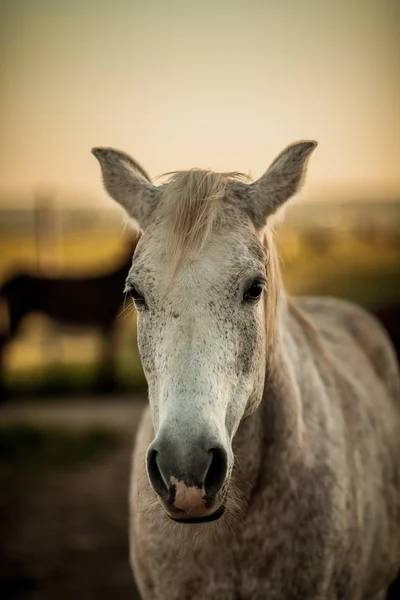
{"x":179,"y":84}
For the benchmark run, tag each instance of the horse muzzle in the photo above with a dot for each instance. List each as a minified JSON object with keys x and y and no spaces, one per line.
{"x":189,"y":481}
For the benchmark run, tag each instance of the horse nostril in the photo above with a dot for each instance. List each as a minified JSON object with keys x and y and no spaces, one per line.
{"x":155,"y":476}
{"x":217,"y":471}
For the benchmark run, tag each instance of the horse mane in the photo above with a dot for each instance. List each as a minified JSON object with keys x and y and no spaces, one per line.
{"x":273,"y":274}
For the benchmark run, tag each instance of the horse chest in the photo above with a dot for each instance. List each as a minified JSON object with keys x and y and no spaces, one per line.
{"x":230,"y":570}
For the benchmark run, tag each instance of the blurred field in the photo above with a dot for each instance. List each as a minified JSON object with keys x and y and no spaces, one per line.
{"x":74,"y":253}
{"x":346,"y":266}
{"x":64,"y":476}
{"x":28,"y":445}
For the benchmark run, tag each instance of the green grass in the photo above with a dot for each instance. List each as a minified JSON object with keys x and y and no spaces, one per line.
{"x":370,"y":290}
{"x":68,"y":380}
{"x":350,"y":270}
{"x":24,"y":445}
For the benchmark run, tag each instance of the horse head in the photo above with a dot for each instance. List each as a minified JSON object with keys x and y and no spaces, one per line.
{"x":204,"y":281}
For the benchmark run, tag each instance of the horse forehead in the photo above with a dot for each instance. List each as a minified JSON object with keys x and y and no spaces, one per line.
{"x":225,"y":254}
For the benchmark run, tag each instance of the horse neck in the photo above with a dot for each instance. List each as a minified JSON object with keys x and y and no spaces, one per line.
{"x":270,"y":440}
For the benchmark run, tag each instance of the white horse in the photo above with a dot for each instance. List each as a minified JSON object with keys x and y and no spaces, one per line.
{"x":267,"y":465}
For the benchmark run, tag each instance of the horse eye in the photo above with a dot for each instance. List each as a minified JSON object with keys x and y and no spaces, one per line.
{"x":137,"y":297}
{"x":253,"y":292}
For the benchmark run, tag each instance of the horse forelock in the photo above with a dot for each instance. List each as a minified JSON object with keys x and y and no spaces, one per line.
{"x":192,"y":206}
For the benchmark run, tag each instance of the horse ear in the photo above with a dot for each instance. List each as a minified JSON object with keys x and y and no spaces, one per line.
{"x":283,"y":179}
{"x":128,"y":183}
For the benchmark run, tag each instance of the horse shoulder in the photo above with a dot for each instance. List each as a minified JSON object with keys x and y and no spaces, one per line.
{"x":355,"y":359}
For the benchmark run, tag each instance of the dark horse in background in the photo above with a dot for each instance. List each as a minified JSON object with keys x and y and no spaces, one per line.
{"x":80,"y":302}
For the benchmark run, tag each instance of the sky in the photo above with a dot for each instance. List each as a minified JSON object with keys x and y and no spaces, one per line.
{"x":216,"y":84}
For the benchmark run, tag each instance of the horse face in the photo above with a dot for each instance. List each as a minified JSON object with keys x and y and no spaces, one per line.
{"x":201,"y":338}
{"x":201,"y":322}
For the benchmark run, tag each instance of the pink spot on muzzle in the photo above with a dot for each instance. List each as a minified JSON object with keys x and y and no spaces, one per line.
{"x":187,"y":498}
